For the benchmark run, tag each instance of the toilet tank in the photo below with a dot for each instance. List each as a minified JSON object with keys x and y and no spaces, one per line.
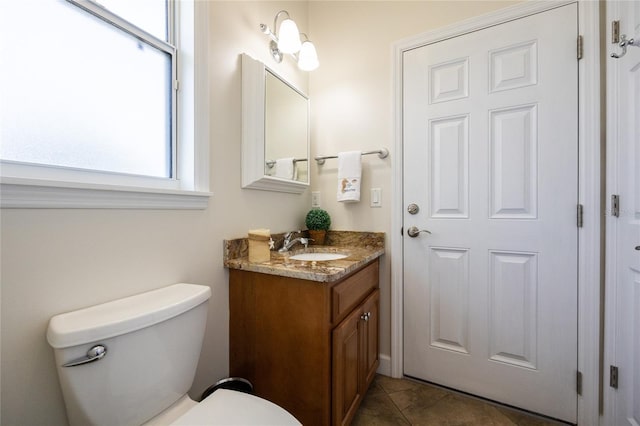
{"x":152,"y":342}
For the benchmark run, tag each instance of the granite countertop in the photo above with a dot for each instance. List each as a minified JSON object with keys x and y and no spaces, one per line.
{"x":360,"y":248}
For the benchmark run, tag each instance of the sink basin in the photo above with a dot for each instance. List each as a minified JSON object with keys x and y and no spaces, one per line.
{"x":318,"y":257}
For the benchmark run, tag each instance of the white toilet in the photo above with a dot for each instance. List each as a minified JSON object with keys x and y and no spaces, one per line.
{"x":132,"y":361}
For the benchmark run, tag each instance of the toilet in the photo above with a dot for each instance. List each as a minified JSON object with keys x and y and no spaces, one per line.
{"x":131,"y":362}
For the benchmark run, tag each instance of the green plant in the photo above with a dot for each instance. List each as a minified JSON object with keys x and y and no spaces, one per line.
{"x":318,"y":219}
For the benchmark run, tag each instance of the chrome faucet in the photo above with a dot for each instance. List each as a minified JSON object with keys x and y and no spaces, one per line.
{"x":288,"y":242}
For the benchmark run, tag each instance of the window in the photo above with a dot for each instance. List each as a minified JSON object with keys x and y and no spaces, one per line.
{"x":93,"y":96}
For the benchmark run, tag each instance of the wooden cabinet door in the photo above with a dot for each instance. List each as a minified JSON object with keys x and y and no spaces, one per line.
{"x":355,"y":358}
{"x":347,"y":353}
{"x":370,"y":361}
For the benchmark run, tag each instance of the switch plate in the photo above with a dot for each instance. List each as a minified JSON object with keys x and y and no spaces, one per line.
{"x":315,"y":199}
{"x":376,"y":197}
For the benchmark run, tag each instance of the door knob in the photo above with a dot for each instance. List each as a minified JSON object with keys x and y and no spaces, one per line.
{"x":414,"y":232}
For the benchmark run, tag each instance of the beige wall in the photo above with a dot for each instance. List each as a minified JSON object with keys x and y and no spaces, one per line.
{"x":352,"y":104}
{"x":59,"y":260}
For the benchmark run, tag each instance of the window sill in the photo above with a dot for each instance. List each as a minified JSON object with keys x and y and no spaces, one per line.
{"x":18,"y":193}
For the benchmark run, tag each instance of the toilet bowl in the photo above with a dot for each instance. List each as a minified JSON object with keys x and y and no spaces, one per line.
{"x":228,"y":407}
{"x":132,"y":361}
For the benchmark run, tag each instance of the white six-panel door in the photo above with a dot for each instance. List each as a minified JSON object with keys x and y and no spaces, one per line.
{"x":623,"y":232}
{"x":490,"y":160}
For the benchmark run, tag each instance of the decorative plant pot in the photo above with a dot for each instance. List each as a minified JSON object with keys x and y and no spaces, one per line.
{"x":317,"y":236}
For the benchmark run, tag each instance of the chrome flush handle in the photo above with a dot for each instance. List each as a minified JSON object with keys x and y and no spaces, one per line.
{"x":94,"y":354}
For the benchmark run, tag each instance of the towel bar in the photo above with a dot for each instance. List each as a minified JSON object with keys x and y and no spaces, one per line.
{"x":382,"y":153}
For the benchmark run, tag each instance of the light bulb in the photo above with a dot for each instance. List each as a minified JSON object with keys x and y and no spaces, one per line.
{"x":308,"y":57}
{"x":288,"y":37}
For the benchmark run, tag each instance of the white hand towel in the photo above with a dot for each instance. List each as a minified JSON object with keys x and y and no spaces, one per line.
{"x":349,"y":176}
{"x":284,"y":168}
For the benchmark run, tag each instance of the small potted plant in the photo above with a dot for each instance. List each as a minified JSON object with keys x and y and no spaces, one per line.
{"x":318,"y":222}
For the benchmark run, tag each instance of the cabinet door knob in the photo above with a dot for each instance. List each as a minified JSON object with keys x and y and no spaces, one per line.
{"x":365,"y":316}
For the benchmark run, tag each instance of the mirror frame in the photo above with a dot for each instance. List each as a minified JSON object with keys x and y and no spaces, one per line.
{"x":253,"y":131}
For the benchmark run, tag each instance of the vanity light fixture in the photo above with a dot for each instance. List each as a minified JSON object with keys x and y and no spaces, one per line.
{"x":287,"y":40}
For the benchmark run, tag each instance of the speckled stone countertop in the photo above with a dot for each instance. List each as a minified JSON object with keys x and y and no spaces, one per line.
{"x":360,"y":248}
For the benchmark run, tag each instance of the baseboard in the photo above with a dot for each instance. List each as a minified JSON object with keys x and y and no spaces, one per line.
{"x":384,"y":367}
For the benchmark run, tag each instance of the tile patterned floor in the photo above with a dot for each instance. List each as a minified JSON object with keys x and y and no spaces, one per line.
{"x":405,"y":402}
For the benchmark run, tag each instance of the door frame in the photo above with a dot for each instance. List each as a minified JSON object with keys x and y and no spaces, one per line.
{"x":613,"y":116}
{"x":589,"y":187}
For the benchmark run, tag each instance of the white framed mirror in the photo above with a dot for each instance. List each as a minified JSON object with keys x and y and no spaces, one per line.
{"x":275,"y":131}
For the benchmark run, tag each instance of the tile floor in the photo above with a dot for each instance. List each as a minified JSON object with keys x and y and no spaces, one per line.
{"x":406,"y":402}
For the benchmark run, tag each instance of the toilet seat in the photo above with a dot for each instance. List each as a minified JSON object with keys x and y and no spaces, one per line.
{"x":227,"y":407}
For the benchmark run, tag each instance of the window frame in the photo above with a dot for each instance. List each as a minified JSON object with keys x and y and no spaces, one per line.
{"x":25,"y":185}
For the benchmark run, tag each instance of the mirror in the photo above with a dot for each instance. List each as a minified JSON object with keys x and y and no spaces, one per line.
{"x":275,"y":131}
{"x":286,"y":130}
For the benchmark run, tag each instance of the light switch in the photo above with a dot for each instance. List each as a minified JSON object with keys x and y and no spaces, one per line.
{"x":315,"y":199}
{"x":376,"y":197}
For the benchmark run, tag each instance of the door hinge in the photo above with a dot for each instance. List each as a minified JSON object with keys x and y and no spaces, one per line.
{"x":580,"y":47}
{"x":579,"y":382}
{"x":615,"y":205}
{"x":615,"y":32}
{"x":580,"y":215}
{"x":176,"y":85}
{"x":613,"y":376}
{"x":402,"y":230}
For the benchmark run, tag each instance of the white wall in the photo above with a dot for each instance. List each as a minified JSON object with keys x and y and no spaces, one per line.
{"x":352,"y":103}
{"x":59,"y":260}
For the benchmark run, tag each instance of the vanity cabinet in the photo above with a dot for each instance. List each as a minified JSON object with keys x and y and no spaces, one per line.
{"x":310,"y":347}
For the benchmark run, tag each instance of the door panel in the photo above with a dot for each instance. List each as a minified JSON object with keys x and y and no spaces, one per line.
{"x":491,"y":157}
{"x":449,"y":147}
{"x":347,"y":354}
{"x":514,"y":162}
{"x":513,"y":309}
{"x":449,"y":278}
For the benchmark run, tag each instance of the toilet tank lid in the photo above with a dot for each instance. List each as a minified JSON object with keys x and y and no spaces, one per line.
{"x":124,"y":315}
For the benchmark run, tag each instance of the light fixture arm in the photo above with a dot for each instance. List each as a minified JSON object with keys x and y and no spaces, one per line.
{"x":273,"y":33}
{"x":275,"y":20}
